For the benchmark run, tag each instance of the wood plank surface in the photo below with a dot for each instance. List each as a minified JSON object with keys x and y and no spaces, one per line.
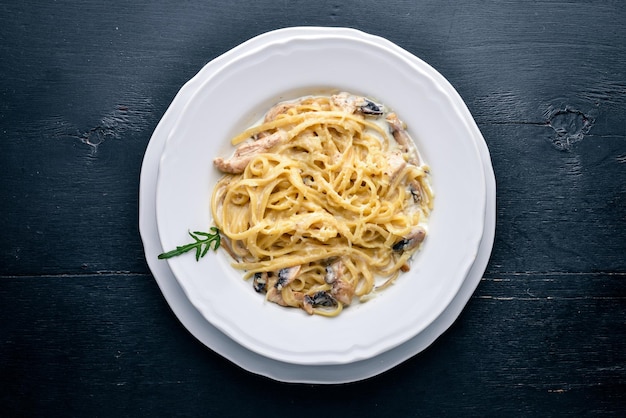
{"x":524,"y":345}
{"x":85,"y":330}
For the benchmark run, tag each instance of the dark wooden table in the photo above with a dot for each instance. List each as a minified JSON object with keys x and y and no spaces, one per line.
{"x":85,"y":330}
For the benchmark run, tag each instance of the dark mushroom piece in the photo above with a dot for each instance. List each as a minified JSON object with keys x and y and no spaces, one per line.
{"x":411,"y":241}
{"x":334,"y":271}
{"x":399,"y":133}
{"x":259,"y":282}
{"x":340,"y":289}
{"x":416,"y":190}
{"x":371,"y":108}
{"x":321,"y":298}
{"x":286,"y":276}
{"x":343,"y":291}
{"x":352,"y":104}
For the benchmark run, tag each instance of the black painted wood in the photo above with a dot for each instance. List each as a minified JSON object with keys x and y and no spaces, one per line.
{"x":85,"y":330}
{"x":525,"y":344}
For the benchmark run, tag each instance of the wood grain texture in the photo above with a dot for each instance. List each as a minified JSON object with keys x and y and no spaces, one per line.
{"x":85,"y":330}
{"x":82,"y":97}
{"x":525,"y":344}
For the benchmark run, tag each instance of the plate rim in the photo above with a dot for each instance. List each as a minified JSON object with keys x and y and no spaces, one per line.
{"x":352,"y":352}
{"x":222,"y":345}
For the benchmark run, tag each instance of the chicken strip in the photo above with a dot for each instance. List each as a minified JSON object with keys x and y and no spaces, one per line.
{"x":396,"y":164}
{"x":246,"y":151}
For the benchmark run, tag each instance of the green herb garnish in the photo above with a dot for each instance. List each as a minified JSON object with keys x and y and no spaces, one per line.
{"x":201,"y":238}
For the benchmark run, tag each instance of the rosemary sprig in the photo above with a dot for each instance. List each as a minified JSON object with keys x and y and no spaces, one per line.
{"x":205,"y":239}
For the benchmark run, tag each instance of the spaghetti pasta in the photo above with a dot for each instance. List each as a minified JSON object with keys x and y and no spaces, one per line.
{"x":323,"y":202}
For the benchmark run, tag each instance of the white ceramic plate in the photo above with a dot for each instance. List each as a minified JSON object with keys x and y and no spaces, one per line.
{"x":236,"y":95}
{"x":226,"y":347}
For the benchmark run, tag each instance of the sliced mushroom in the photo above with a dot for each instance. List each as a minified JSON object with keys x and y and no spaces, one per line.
{"x":334,"y":271}
{"x":411,"y":241}
{"x":416,"y":191}
{"x":321,"y":298}
{"x":260,"y":281}
{"x":371,"y":108}
{"x":352,"y":104}
{"x":340,"y":289}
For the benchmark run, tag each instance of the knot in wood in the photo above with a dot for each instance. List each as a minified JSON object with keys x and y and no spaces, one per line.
{"x":570,"y":126}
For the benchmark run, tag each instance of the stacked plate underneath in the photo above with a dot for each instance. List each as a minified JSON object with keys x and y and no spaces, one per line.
{"x":209,"y":297}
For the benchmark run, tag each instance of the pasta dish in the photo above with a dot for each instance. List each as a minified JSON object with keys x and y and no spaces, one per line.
{"x":323,"y":202}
